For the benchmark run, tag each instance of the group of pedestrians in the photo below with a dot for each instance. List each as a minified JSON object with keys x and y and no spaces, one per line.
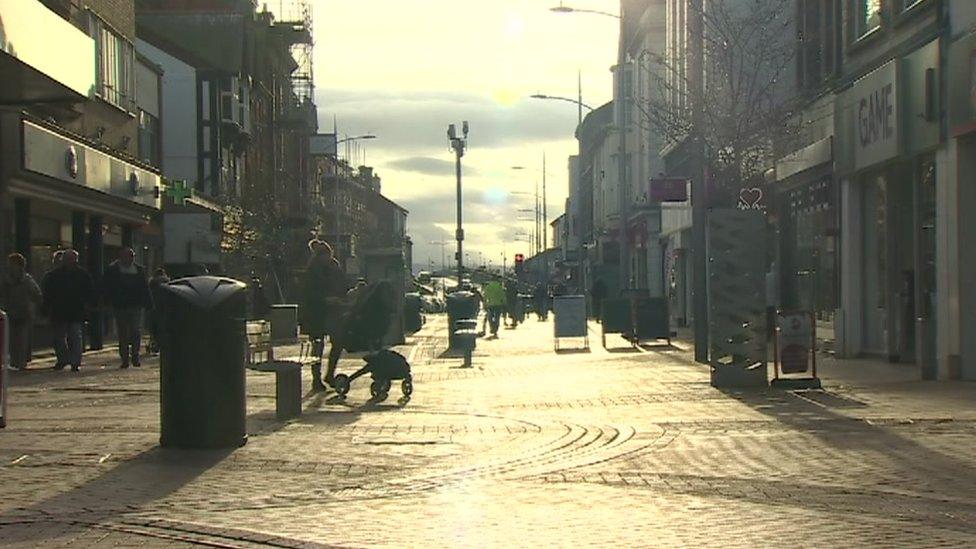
{"x":67,"y":295}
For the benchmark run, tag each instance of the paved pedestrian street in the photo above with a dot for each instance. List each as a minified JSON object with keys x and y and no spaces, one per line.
{"x":616,"y":447}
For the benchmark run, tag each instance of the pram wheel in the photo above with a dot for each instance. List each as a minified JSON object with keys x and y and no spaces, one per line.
{"x":380,"y":388}
{"x":341,"y":384}
{"x":407,"y":386}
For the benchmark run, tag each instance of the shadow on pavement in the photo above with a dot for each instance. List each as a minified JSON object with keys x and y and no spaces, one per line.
{"x":35,"y":376}
{"x":623,"y":350}
{"x":575,"y":351}
{"x":148,"y":477}
{"x":851,"y":433}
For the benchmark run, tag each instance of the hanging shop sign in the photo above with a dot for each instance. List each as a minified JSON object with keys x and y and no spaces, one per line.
{"x":669,"y":189}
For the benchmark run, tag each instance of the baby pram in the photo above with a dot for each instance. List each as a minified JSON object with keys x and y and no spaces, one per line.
{"x":363,"y":329}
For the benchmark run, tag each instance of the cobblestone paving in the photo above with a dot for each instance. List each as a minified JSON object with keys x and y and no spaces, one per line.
{"x":626,"y":447}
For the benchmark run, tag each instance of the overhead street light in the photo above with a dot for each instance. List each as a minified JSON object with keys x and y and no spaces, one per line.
{"x":356,"y":138}
{"x":558,"y":98}
{"x":569,"y":9}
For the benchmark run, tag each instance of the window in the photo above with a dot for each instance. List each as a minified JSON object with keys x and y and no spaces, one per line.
{"x":114,"y":65}
{"x":867,"y":16}
{"x":148,"y":138}
{"x":819,"y":41}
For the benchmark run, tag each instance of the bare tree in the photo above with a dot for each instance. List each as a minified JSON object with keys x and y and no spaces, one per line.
{"x":748,"y":52}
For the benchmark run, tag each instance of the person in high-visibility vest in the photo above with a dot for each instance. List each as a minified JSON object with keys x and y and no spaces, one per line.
{"x":495,"y":303}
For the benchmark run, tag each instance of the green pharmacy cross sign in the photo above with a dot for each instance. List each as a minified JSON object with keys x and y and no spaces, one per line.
{"x":178,"y":191}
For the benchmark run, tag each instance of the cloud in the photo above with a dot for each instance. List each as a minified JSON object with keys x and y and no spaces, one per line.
{"x":417,"y":121}
{"x":427,"y":165}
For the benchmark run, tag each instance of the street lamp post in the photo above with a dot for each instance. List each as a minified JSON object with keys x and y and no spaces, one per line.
{"x":458,"y":144}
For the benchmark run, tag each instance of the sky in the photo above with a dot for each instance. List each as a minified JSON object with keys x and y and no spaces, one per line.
{"x":405,"y":69}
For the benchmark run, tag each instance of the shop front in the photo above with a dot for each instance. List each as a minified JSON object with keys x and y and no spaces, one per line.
{"x":956,"y":200}
{"x":807,"y":220}
{"x":888,"y":134}
{"x":61,"y":191}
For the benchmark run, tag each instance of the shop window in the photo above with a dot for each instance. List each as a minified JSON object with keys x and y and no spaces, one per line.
{"x":114,"y":67}
{"x":867,"y":16}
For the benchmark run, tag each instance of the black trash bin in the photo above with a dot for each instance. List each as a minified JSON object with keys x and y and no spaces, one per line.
{"x":461,"y":305}
{"x":202,"y":357}
{"x":413,"y":318}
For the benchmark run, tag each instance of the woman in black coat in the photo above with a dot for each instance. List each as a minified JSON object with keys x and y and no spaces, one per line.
{"x":323,"y":288}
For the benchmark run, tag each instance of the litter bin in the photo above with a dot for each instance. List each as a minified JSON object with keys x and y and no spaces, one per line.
{"x":201,"y":368}
{"x":461,"y":305}
{"x":413,"y":319}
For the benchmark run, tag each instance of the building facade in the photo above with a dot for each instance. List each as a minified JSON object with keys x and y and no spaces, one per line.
{"x":76,"y":169}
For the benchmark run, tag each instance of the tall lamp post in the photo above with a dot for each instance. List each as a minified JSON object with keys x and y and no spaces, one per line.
{"x":458,"y":144}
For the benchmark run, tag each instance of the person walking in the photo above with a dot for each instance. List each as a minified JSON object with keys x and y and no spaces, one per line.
{"x":19,"y":296}
{"x":323,"y":291}
{"x":541,"y":298}
{"x":68,"y":295}
{"x":494,"y":304}
{"x":512,"y":302}
{"x":159,"y":279}
{"x":127,"y":292}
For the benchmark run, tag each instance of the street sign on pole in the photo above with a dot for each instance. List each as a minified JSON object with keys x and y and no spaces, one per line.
{"x":4,"y":363}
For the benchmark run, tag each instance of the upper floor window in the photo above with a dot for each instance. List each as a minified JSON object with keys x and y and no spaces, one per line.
{"x":867,"y":16}
{"x":819,"y":38}
{"x":114,"y":65}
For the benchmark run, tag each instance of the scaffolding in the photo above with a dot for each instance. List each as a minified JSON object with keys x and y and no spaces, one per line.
{"x":297,"y":14}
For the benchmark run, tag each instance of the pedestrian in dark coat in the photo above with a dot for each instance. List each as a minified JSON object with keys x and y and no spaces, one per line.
{"x":324,"y":288}
{"x":127,"y":292}
{"x":541,"y":298}
{"x":68,"y":295}
{"x":19,"y":296}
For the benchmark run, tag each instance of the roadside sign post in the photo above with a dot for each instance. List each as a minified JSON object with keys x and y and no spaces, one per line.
{"x":795,"y":351}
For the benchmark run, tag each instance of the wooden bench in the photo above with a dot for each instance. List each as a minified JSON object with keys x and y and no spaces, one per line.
{"x":288,"y":371}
